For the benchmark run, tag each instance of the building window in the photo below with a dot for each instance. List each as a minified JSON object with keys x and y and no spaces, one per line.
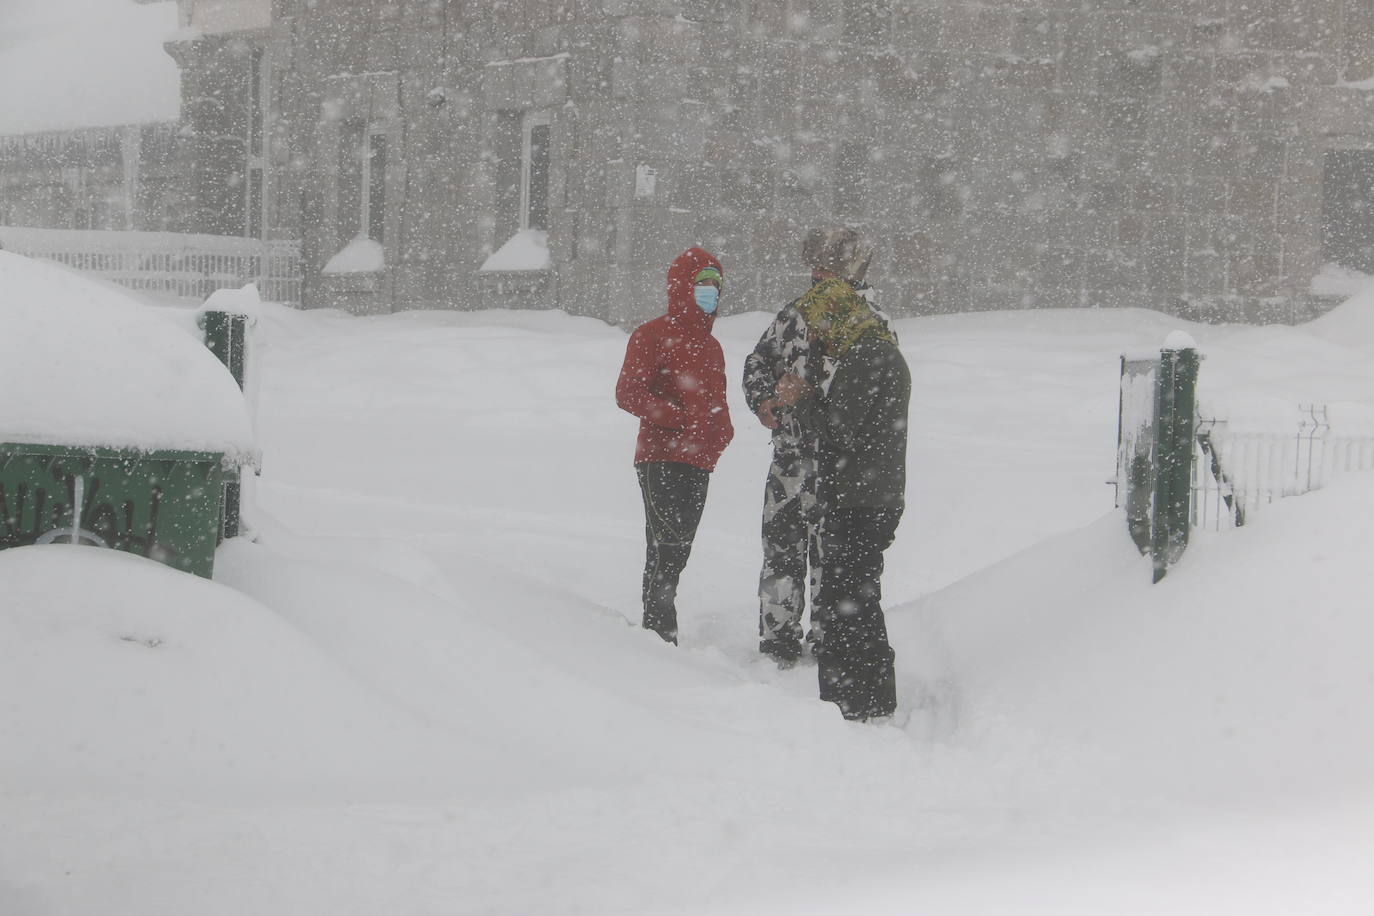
{"x":536,"y":134}
{"x":362,"y":181}
{"x":349,"y":176}
{"x":374,"y":181}
{"x":1348,"y":209}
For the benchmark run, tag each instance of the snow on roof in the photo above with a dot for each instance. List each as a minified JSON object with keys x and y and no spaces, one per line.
{"x":83,"y":364}
{"x":68,"y":64}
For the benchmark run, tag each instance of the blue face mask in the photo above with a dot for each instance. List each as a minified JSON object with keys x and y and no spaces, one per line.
{"x":707,"y":298}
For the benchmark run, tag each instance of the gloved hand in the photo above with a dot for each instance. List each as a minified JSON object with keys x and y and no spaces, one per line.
{"x":791,"y":389}
{"x":767,"y":413}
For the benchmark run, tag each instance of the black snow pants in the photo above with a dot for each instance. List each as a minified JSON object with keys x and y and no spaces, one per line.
{"x":854,"y":661}
{"x":674,"y":496}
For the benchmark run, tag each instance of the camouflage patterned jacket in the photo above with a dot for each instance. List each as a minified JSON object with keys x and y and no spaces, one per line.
{"x":783,"y":348}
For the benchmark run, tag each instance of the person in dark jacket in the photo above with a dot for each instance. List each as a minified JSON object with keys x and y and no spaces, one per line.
{"x":789,"y":495}
{"x":673,"y":379}
{"x":861,"y":422}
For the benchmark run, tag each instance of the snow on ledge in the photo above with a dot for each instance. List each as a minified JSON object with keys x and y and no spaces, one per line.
{"x":360,"y":256}
{"x":1337,"y":282}
{"x":246,"y":301}
{"x":528,"y":249}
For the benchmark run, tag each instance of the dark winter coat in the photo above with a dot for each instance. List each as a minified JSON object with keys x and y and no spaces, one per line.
{"x":782,"y":348}
{"x":861,"y":422}
{"x":673,"y":377}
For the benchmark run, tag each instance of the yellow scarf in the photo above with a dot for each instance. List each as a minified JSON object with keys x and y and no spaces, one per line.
{"x":839,"y":316}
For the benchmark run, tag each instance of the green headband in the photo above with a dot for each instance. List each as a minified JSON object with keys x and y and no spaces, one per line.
{"x":708,"y":273}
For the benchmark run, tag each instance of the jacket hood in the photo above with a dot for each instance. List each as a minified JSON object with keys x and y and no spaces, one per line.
{"x":681,"y":306}
{"x":841,"y":251}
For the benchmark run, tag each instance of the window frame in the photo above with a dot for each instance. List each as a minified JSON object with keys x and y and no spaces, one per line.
{"x":1343,"y":213}
{"x":366,"y":154}
{"x":528,"y":122}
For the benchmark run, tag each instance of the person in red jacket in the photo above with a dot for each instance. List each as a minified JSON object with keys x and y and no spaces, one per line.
{"x":673,"y":379}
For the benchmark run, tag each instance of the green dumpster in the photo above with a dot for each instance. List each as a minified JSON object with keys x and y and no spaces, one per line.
{"x":118,"y":427}
{"x":164,"y":505}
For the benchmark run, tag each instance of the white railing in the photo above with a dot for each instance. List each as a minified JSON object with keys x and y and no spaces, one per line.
{"x":1252,"y":469}
{"x":180,"y":264}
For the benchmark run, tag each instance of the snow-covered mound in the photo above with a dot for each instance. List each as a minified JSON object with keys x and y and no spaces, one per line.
{"x":122,"y":676}
{"x":436,"y":655}
{"x":82,"y":363}
{"x":1245,"y":672}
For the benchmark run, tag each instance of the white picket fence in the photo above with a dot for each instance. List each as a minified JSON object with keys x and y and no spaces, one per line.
{"x":179,"y":264}
{"x":1256,"y":468}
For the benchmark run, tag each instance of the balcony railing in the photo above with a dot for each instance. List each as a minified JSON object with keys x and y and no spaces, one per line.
{"x":177,"y":264}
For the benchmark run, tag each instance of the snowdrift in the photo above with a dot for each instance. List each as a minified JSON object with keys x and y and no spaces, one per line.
{"x":1245,"y":673}
{"x":123,"y":677}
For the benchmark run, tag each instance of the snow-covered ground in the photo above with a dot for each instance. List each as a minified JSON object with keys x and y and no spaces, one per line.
{"x":422,"y":689}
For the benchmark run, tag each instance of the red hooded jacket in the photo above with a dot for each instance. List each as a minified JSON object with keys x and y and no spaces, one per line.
{"x":673,"y":378}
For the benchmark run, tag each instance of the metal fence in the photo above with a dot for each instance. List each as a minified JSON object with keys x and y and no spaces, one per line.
{"x":179,"y":264}
{"x":1178,"y":469}
{"x":1238,"y":472}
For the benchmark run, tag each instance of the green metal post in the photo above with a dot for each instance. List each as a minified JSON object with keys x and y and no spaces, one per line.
{"x":1135,"y":445}
{"x":226,"y":334}
{"x":1175,"y":427}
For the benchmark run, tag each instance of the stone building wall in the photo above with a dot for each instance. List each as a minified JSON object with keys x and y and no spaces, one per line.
{"x":1002,"y":153}
{"x":216,"y":81}
{"x":1012,"y":154}
{"x":124,"y":177}
{"x":446,"y":84}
